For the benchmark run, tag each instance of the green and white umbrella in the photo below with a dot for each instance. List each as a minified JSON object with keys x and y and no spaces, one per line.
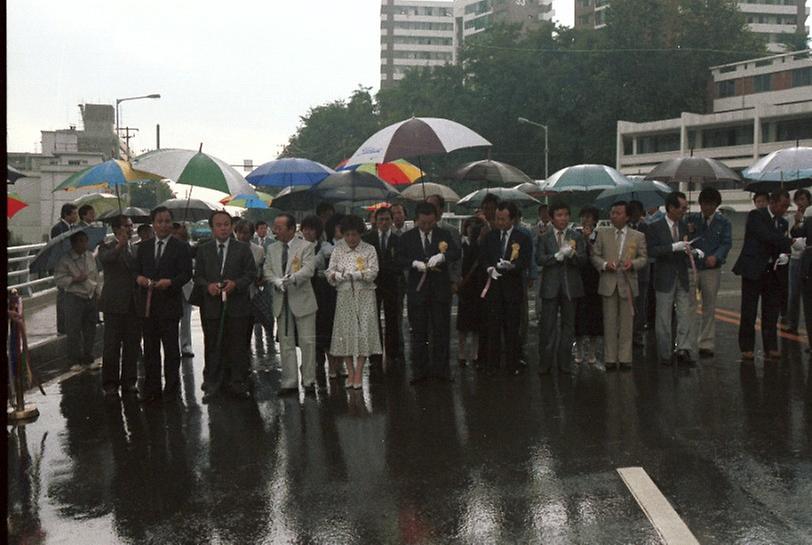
{"x":194,"y":168}
{"x":585,"y":178}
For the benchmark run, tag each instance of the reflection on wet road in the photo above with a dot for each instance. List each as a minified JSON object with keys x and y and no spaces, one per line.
{"x":482,"y":460}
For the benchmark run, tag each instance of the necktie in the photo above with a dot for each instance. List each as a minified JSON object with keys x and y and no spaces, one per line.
{"x":619,"y":243}
{"x":220,"y":260}
{"x":560,"y":239}
{"x":160,"y":250}
{"x":426,"y":242}
{"x":503,"y":244}
{"x":674,"y":232}
{"x":284,"y":257}
{"x":383,"y":242}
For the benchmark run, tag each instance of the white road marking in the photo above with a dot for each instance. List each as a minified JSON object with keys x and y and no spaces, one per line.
{"x":665,"y":520}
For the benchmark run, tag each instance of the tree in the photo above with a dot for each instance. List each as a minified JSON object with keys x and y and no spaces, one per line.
{"x":149,"y":194}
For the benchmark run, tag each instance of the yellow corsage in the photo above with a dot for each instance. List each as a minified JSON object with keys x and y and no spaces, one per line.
{"x":296,"y":265}
{"x":573,"y":244}
{"x":443,"y":246}
{"x":360,"y":264}
{"x":631,"y":250}
{"x":514,"y":251}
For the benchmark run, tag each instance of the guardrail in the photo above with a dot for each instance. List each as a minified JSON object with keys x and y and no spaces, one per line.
{"x":18,"y":275}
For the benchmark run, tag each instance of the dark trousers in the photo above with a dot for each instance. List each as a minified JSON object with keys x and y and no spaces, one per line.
{"x":768,"y":288}
{"x":504,"y":319}
{"x":641,"y":302}
{"x":159,"y":332}
{"x":119,"y":360}
{"x":430,"y":321}
{"x":60,"y":311}
{"x":390,"y":333}
{"x":228,"y":363}
{"x":550,"y":308}
{"x":80,"y":327}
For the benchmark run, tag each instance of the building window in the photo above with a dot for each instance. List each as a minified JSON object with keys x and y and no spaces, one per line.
{"x":793,"y":129}
{"x":762,"y":83}
{"x":658,"y":143}
{"x":802,"y":77}
{"x":741,"y":135}
{"x":726,"y":88}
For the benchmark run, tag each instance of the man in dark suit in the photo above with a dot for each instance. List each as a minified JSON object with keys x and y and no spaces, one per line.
{"x":560,"y":252}
{"x":387,"y":285}
{"x":225,"y":269}
{"x":163,"y":266}
{"x":117,"y":302}
{"x":802,"y":242}
{"x":506,"y":256}
{"x":427,"y":252}
{"x":765,"y":250}
{"x":668,"y":244}
{"x":636,"y":222}
{"x":68,"y":217}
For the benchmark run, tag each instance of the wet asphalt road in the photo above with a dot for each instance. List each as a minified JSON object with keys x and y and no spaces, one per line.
{"x":483,"y":460}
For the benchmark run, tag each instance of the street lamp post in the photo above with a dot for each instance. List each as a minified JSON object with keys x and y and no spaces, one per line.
{"x":120,"y":100}
{"x":546,"y":148}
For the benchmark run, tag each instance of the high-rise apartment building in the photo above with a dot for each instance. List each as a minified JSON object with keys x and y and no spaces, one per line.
{"x":773,"y":19}
{"x":416,"y":33}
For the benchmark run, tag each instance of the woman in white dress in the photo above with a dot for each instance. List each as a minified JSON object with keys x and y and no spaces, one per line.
{"x":353,"y":268}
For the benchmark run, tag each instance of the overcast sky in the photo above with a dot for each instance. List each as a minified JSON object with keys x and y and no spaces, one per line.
{"x":235,"y":75}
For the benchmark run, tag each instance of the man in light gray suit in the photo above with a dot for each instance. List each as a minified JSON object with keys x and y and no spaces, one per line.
{"x":560,"y":252}
{"x":289,"y":266}
{"x":619,"y":252}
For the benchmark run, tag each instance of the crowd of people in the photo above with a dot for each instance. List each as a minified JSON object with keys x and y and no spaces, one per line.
{"x":336,"y":290}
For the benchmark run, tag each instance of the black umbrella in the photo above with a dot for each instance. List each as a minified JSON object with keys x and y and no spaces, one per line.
{"x":12,"y":174}
{"x":506,"y":194}
{"x":58,"y":246}
{"x":190,"y":209}
{"x":491,"y":172}
{"x":702,"y":170}
{"x":138,"y":215}
{"x":344,"y":187}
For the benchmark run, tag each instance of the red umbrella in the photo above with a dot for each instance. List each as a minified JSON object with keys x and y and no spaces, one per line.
{"x":14,"y":205}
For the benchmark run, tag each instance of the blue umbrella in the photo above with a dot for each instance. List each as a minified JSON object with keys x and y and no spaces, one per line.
{"x":788,"y":168}
{"x":49,"y":255}
{"x":288,"y":172}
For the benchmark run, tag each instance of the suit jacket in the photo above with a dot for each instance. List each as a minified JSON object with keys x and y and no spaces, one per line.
{"x":715,"y":239}
{"x":763,"y":242}
{"x":118,"y":289}
{"x":438,"y":282}
{"x":512,"y":284}
{"x":669,"y":266}
{"x":389,"y":272}
{"x":562,"y":277}
{"x":605,"y":249}
{"x":299,"y":293}
{"x":176,"y":265}
{"x":239,"y":267}
{"x":805,"y":231}
{"x":59,"y":228}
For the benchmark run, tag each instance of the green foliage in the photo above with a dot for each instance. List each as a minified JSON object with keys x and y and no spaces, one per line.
{"x":149,"y":194}
{"x":650,"y":62}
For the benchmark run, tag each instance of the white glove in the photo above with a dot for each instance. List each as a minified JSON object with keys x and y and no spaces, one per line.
{"x":493,"y":273}
{"x":568,"y":251}
{"x":279,"y":284}
{"x":799,"y":244}
{"x":435,"y":260}
{"x":357,"y":275}
{"x":699,"y":253}
{"x":419,"y":265}
{"x":287,"y":280}
{"x":559,"y":256}
{"x":679,"y":246}
{"x":783,"y":259}
{"x":505,"y":265}
{"x":465,"y":240}
{"x":338,"y":276}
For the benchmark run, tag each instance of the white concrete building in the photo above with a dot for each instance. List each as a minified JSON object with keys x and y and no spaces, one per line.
{"x":415,"y":33}
{"x":419,"y":33}
{"x":759,"y":106}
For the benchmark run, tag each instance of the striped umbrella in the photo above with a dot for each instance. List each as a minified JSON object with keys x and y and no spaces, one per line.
{"x":260,"y":200}
{"x":400,"y":172}
{"x":106,"y":175}
{"x":14,"y":205}
{"x":194,"y":168}
{"x":289,"y":172}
